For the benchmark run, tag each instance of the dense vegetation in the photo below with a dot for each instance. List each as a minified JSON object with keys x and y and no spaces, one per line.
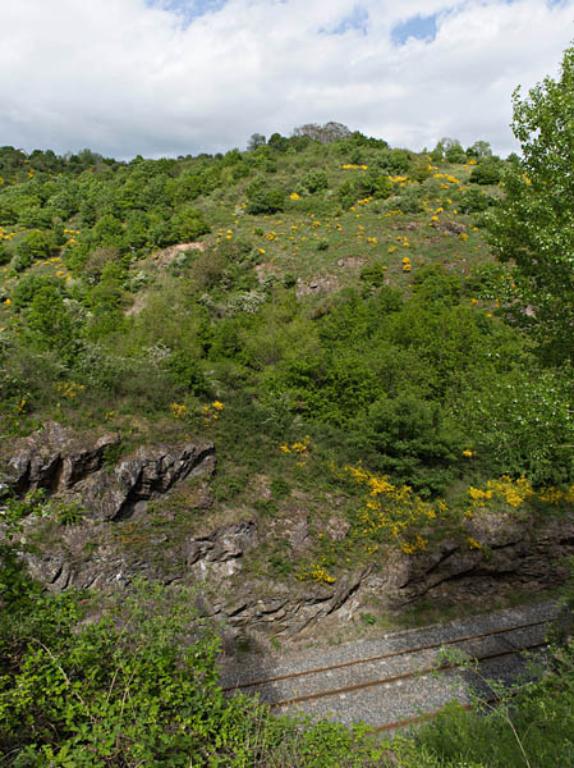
{"x":332,"y":313}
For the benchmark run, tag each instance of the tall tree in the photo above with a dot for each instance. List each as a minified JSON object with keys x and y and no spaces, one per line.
{"x":534,"y":226}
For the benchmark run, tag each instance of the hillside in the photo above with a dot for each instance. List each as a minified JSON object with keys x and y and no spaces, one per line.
{"x":293,"y":379}
{"x":329,"y":316}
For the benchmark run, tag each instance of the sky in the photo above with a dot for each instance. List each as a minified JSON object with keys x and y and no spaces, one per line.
{"x":177,"y":77}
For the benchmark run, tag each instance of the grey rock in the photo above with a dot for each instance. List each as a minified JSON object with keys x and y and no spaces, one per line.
{"x":115,"y":494}
{"x":55,"y":459}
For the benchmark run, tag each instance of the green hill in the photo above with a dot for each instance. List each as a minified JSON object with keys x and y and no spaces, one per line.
{"x":328,"y":314}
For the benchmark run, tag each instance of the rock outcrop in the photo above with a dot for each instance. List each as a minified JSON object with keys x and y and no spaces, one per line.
{"x":55,"y":459}
{"x":79,"y":467}
{"x":120,"y":538}
{"x":118,"y":492}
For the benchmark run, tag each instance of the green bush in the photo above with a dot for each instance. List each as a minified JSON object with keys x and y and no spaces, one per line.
{"x":263,"y":198}
{"x":189,"y":224}
{"x":36,"y":244}
{"x":474,"y":201}
{"x":315,"y":181}
{"x":5,"y":254}
{"x":488,"y":171}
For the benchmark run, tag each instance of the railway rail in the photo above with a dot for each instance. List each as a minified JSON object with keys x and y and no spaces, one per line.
{"x":402,"y":678}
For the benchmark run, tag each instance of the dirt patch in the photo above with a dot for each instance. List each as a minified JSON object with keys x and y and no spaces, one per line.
{"x":321,"y":284}
{"x":165,"y":257}
{"x":352,"y":262}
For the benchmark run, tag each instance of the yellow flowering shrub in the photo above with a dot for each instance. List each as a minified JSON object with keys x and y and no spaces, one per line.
{"x":212,"y":411}
{"x":69,"y":389}
{"x":179,"y":410}
{"x":317,"y":573}
{"x":393,"y":513}
{"x":506,"y":489}
{"x":299,"y":447}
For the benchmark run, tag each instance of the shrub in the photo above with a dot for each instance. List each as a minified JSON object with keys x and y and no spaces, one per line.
{"x":371,"y":184}
{"x":315,"y":181}
{"x":30,"y":285}
{"x":188,"y":224}
{"x":36,"y":244}
{"x":263,"y":198}
{"x":394,"y":161}
{"x":5,"y":254}
{"x":186,"y":374}
{"x":488,"y":171}
{"x":374,"y":274}
{"x":474,"y":201}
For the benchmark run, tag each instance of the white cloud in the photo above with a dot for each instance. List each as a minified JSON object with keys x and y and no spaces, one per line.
{"x":126,"y":77}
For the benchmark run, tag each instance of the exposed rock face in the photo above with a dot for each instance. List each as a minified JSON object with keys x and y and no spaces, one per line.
{"x":289,"y":610}
{"x":120,"y":538}
{"x":54,"y":459}
{"x":514,"y":554}
{"x":60,"y":462}
{"x":220,"y":553}
{"x":116,"y":493}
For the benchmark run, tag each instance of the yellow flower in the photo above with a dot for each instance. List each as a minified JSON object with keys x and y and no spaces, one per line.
{"x":218,"y":405}
{"x":294,"y":196}
{"x":407,"y":267}
{"x":70,"y":389}
{"x":8,"y":302}
{"x":179,"y":410}
{"x":468,"y":454}
{"x":477,"y":494}
{"x":473,"y":543}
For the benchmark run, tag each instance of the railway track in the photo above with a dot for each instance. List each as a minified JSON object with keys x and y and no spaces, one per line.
{"x":402,"y":678}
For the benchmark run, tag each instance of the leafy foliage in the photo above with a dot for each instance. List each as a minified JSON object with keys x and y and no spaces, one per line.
{"x":534,"y":228}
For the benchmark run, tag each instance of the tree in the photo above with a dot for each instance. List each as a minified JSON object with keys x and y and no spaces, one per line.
{"x":479,"y":150}
{"x":256,"y":140}
{"x":324,"y":134}
{"x":453,"y":151}
{"x":534,"y":228}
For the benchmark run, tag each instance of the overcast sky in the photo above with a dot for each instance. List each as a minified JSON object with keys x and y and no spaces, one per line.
{"x":169,"y":77}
